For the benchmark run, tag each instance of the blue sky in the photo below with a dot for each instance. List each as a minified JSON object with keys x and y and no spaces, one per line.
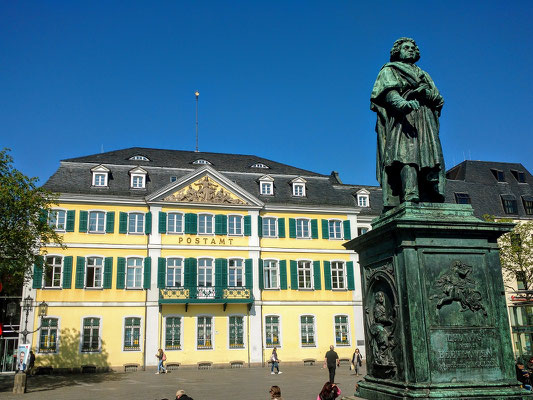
{"x":285,"y":80}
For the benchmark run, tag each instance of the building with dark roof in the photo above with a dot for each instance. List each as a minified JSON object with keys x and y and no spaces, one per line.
{"x":215,"y":258}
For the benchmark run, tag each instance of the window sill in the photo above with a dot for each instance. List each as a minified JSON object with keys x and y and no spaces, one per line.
{"x":173,"y":233}
{"x":91,"y":351}
{"x":94,"y":288}
{"x":272,"y":288}
{"x":128,"y":350}
{"x":96,"y":232}
{"x":51,"y":288}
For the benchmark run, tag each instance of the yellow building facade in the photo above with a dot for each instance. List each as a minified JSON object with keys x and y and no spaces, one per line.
{"x":215,"y":258}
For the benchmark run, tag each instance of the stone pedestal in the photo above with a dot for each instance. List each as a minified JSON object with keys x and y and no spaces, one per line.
{"x":436,"y":321}
{"x":19,"y":386}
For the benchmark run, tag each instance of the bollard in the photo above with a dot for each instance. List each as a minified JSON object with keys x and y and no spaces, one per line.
{"x":19,"y":386}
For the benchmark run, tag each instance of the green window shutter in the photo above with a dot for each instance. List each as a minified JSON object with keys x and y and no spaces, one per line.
{"x":190,"y":274}
{"x":108,"y":272}
{"x":147,"y":272}
{"x":162,"y":222}
{"x":292,"y":228}
{"x":281,"y":227}
{"x":221,"y":224}
{"x":283,"y":274}
{"x":325,"y":229}
{"x":249,"y":273}
{"x":67,"y":272}
{"x":43,"y":217}
{"x":316,"y":273}
{"x":219,"y":265}
{"x":294,"y":275}
{"x":191,"y":223}
{"x":314,"y":229}
{"x":110,"y":222}
{"x":224,"y":273}
{"x":161,"y":270}
{"x":84,"y":216}
{"x":260,"y":226}
{"x":80,"y":272}
{"x":38,"y":272}
{"x":247,"y":225}
{"x":121,"y":272}
{"x":123,"y":222}
{"x":71,"y":218}
{"x":260,"y":270}
{"x":349,"y":275}
{"x":327,"y":275}
{"x":148,"y":223}
{"x":347,"y":230}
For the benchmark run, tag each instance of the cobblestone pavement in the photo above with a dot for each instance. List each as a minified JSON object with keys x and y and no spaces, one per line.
{"x":296,"y":382}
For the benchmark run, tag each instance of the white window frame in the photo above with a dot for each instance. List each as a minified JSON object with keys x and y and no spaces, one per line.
{"x":123,"y":334}
{"x":135,"y":184}
{"x":243,"y":332}
{"x":331,"y":223}
{"x":136,"y":214}
{"x":58,"y":333}
{"x":54,"y":266}
{"x":204,"y":291}
{"x":238,"y":223}
{"x":315,"y":339}
{"x":212,"y":217}
{"x":182,"y":260}
{"x":344,"y":279}
{"x":271,"y":346}
{"x":275,"y":270}
{"x":99,"y":318}
{"x":139,"y":157}
{"x":136,"y":267}
{"x":363,"y":198}
{"x":53,"y":219}
{"x":348,"y":333}
{"x":180,"y":332}
{"x":101,"y":272}
{"x":275,"y":221}
{"x":236,"y":268}
{"x":305,"y":221}
{"x":201,"y":161}
{"x":212,"y":337}
{"x":266,"y":188}
{"x":175,"y":216}
{"x":89,"y":213}
{"x":298,"y":189}
{"x":311,"y":273}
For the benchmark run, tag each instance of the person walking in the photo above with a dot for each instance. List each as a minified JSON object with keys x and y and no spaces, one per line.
{"x":331,"y":360}
{"x":275,"y":362}
{"x":357,"y":361}
{"x":162,"y":357}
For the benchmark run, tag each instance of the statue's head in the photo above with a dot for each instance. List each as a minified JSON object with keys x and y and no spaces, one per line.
{"x":380,"y":297}
{"x":405,"y":49}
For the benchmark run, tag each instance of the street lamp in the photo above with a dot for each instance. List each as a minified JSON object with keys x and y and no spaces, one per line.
{"x":27,"y":307}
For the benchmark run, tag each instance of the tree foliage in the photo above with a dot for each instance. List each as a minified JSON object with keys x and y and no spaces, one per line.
{"x":516,"y":254}
{"x":24,"y":227}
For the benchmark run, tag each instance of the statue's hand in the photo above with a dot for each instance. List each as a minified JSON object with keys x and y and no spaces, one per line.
{"x":411,"y":105}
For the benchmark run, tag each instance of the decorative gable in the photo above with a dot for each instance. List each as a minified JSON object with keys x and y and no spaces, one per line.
{"x":204,"y":190}
{"x":363,"y":198}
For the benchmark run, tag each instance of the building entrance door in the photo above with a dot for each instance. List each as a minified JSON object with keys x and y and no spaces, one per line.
{"x":8,"y":348}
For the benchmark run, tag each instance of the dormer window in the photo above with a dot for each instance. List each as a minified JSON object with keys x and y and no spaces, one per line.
{"x":498,"y":174}
{"x":139,"y":158}
{"x":260,"y":165}
{"x":266,"y":185}
{"x":138,"y":178}
{"x":519,"y":176}
{"x":363,"y":198}
{"x":201,"y":161}
{"x":298,"y":187}
{"x":100,"y":176}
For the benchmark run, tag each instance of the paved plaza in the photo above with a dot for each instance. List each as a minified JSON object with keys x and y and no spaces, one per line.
{"x":296,"y":382}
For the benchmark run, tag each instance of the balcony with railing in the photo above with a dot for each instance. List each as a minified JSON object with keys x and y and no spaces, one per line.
{"x":206,"y":294}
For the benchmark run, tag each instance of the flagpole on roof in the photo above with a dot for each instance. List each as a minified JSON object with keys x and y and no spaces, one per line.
{"x":197,"y":93}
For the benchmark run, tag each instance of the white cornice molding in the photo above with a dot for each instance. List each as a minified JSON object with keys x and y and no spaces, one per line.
{"x":100,"y":198}
{"x":310,"y":209}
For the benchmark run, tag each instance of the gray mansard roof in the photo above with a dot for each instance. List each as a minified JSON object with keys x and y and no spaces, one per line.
{"x":74,"y":176}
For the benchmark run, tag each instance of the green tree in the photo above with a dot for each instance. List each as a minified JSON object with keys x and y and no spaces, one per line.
{"x":516,"y":256}
{"x":24,"y":227}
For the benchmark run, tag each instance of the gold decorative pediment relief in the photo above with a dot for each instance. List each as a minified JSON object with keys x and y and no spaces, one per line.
{"x":204,"y":190}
